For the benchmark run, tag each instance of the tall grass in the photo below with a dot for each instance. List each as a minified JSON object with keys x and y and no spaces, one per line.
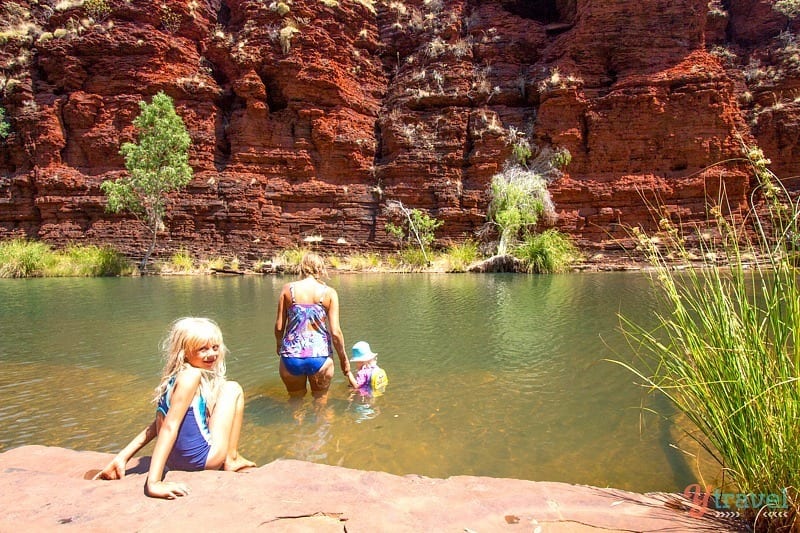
{"x":90,"y":261}
{"x":180,"y":262}
{"x":289,"y":259}
{"x":460,"y":256}
{"x":359,"y":262}
{"x":213,"y":263}
{"x":726,"y":350}
{"x":20,"y":258}
{"x":409,"y":259}
{"x":548,"y":252}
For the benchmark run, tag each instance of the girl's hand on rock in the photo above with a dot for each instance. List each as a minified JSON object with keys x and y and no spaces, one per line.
{"x":166,"y":489}
{"x":113,"y":470}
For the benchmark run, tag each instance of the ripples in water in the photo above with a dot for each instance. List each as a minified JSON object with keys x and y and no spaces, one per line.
{"x":493,"y":375}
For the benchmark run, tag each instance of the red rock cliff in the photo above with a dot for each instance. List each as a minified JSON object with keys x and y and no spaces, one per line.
{"x":307,"y":116}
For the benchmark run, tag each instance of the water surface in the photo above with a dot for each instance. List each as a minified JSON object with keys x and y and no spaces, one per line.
{"x":496,"y":375}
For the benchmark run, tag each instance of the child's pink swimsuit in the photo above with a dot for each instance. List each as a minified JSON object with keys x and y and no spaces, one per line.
{"x":364,"y":375}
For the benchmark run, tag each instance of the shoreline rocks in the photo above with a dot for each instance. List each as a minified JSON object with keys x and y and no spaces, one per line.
{"x":47,"y":487}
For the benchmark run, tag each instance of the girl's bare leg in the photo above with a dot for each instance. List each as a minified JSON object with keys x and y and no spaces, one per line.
{"x":226,"y":426}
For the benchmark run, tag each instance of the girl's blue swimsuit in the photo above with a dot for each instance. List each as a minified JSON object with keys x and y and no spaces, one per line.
{"x":306,"y":345}
{"x":193,"y":443}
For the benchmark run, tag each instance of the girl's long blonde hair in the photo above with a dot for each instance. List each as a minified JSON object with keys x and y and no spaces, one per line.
{"x":187,"y":335}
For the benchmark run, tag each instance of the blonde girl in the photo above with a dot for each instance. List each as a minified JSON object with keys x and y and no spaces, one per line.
{"x":198,"y":415}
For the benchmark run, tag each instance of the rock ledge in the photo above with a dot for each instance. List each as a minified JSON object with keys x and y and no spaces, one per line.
{"x":45,"y":488}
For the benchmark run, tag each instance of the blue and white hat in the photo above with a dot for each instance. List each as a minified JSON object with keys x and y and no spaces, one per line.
{"x":362,"y":352}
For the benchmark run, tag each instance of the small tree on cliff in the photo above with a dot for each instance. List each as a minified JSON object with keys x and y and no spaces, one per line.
{"x":158,"y":165}
{"x":519,"y":194}
{"x":4,"y":127}
{"x":421,"y":225}
{"x":787,"y":8}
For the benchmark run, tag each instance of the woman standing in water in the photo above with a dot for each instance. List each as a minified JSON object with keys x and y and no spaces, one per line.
{"x":307,"y":331}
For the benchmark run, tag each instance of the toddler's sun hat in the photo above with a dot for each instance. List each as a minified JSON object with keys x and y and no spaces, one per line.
{"x":362,"y":352}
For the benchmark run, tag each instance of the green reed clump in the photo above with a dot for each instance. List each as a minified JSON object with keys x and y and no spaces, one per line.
{"x":290,"y":259}
{"x":409,"y":259}
{"x":726,"y":350}
{"x":90,"y":261}
{"x":461,"y":255}
{"x":548,"y":252}
{"x":364,"y":262}
{"x":20,"y":258}
{"x":180,"y":261}
{"x":213,"y":263}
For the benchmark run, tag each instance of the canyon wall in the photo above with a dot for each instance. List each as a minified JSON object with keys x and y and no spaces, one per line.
{"x":309,"y":118}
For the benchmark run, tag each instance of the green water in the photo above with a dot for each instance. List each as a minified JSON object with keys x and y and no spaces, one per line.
{"x":495,"y":375}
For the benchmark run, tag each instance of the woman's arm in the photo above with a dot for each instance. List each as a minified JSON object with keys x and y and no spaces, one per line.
{"x":337,"y":336}
{"x":116,"y":468}
{"x":186,"y":385}
{"x":280,"y":319}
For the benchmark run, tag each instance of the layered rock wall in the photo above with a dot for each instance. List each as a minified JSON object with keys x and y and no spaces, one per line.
{"x":309,"y":117}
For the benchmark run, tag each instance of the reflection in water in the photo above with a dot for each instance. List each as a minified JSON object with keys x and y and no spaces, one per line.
{"x":363,"y":407}
{"x":313,"y":430}
{"x":292,"y":428}
{"x":497,"y":375}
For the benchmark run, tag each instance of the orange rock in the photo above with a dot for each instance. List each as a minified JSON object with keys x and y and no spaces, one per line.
{"x":44,"y":488}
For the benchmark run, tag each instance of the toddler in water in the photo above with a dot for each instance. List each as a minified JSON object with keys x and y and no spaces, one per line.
{"x":198,"y":416}
{"x":370,"y":378}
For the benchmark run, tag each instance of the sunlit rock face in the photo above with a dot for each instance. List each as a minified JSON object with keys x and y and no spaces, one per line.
{"x":308,"y":117}
{"x":47,"y":488}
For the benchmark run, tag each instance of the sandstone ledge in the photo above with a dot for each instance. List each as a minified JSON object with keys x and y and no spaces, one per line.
{"x":44,"y":489}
